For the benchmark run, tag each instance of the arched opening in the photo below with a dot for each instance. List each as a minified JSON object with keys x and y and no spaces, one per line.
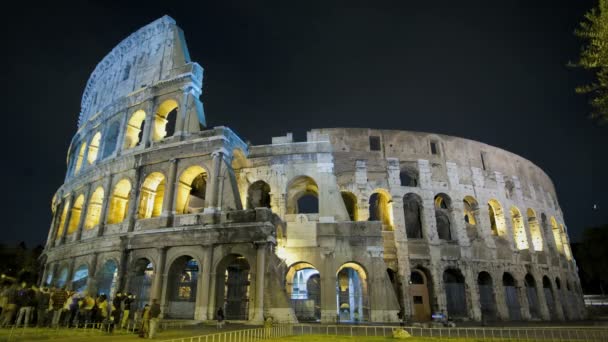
{"x":519,"y":230}
{"x":110,"y":140}
{"x":183,"y":281}
{"x":80,"y":278}
{"x":420,"y":290}
{"x":62,"y":277}
{"x":548,"y":291}
{"x":134,"y":131}
{"x":62,"y":218}
{"x":164,"y":120}
{"x":380,"y":209}
{"x":119,"y":203}
{"x":497,"y":218}
{"x":486,"y":296}
{"x":352,"y":299}
{"x":303,"y":285}
{"x":350,"y":202}
{"x":511,"y":297}
{"x":140,"y":284}
{"x":566,"y":246}
{"x":108,"y":278}
{"x":94,"y":210}
{"x":80,"y":157}
{"x":75,"y":214}
{"x":191,"y":190}
{"x":408,"y":177}
{"x":412,"y":212}
{"x":232,"y":291}
{"x":443,"y":207}
{"x":470,"y":212}
{"x":557,"y":236}
{"x":455,"y":294}
{"x":152,"y":193}
{"x":302,"y":196}
{"x":94,"y":148}
{"x":533,"y":305}
{"x":537,"y":238}
{"x":258,"y":195}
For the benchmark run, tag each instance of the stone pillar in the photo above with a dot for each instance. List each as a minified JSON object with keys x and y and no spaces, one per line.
{"x":158,"y":292}
{"x":54,"y":219}
{"x":134,"y":196}
{"x":523,"y":300}
{"x":484,"y":227}
{"x":474,"y":306}
{"x":212,"y":204}
{"x":68,"y":216}
{"x":329,"y":309}
{"x":83,"y":212}
{"x":68,"y":281}
{"x":502,"y":312}
{"x":148,"y":124}
{"x":557,"y":298}
{"x":104,"y":207}
{"x":459,"y":230}
{"x":204,"y":289}
{"x":182,"y":112}
{"x":259,"y":281}
{"x":92,"y":276}
{"x":122,"y":281}
{"x":429,"y":223}
{"x":168,"y":210}
{"x":402,"y":247}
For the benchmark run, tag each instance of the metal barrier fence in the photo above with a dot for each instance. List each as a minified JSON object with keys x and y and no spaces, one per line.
{"x":246,"y":335}
{"x":482,"y":333}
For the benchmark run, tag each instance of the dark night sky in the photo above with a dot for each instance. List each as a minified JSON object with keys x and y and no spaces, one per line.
{"x":492,"y":71}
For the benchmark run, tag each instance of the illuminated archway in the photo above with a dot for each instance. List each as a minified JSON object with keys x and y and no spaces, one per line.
{"x":352,"y":293}
{"x":535,"y":233}
{"x":303,"y":286}
{"x":191,"y":190}
{"x":75,"y":214}
{"x":151,"y":194}
{"x":566,"y":246}
{"x":80,"y":278}
{"x":164,"y":120}
{"x":183,"y":282}
{"x":94,"y":148}
{"x":497,"y":218}
{"x":94,"y":210}
{"x":232,"y":286}
{"x":62,"y":218}
{"x":134,"y":131}
{"x":381,"y":208}
{"x":141,"y":276}
{"x":350,"y":202}
{"x":79,"y":159}
{"x":302,"y":196}
{"x":443,"y":207}
{"x":107,"y":279}
{"x":519,"y":230}
{"x":119,"y":202}
{"x":470,"y":213}
{"x":557,"y":235}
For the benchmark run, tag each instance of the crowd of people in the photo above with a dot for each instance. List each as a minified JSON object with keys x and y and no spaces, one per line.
{"x":22,"y":306}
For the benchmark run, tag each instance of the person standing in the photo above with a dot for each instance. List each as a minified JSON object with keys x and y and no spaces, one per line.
{"x":145,"y":322}
{"x":220,"y":317}
{"x":154,"y":317}
{"x":126,"y":310}
{"x":58,"y":300}
{"x":43,"y":306}
{"x":26,"y":298}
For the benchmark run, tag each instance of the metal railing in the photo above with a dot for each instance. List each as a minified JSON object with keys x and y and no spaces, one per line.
{"x":552,"y":334}
{"x":245,"y":335}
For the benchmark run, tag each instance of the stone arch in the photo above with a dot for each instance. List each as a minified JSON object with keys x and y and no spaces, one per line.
{"x":352,"y":287}
{"x":443,"y":208}
{"x":412,"y":212}
{"x":487,"y":298}
{"x":471,"y":216}
{"x":535,"y":233}
{"x":110,"y":139}
{"x":421,"y":291}
{"x":80,"y":157}
{"x":134,"y":129}
{"x":119,"y":202}
{"x":75,"y":214}
{"x":455,"y":293}
{"x":107,"y":278}
{"x":191,"y":190}
{"x":233,"y":276}
{"x":151,"y":196}
{"x":533,"y":305}
{"x":381,"y":209}
{"x":497,"y":218}
{"x":164,"y":120}
{"x":350,"y":202}
{"x":258,"y":195}
{"x":142,"y":273}
{"x":62,"y":218}
{"x":94,"y":148}
{"x":511,"y":296}
{"x":519,"y":230}
{"x":94,"y":210}
{"x":80,"y":278}
{"x":557,"y":235}
{"x":182,"y":287}
{"x":408,"y":176}
{"x":303,"y":286}
{"x":302,"y":196}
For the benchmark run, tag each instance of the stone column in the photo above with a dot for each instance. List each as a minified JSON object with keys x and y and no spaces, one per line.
{"x":204,"y":289}
{"x":459,"y":230}
{"x":122,"y":281}
{"x":92,"y":276}
{"x":523,"y":299}
{"x":429,"y":223}
{"x":148,"y":124}
{"x":484,"y":227}
{"x":68,"y":281}
{"x":259,"y":281}
{"x":182,"y":112}
{"x":168,"y":210}
{"x":472,"y":294}
{"x":56,"y":215}
{"x":134,"y":196}
{"x":104,"y":207}
{"x":158,"y":292}
{"x":83,"y":212}
{"x":212,"y":204}
{"x":502,"y":312}
{"x":329,"y":310}
{"x":68,"y":216}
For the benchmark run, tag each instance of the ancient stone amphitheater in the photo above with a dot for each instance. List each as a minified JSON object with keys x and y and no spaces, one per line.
{"x":351,"y":225}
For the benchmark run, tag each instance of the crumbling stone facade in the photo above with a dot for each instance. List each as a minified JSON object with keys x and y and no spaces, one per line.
{"x":349,"y":225}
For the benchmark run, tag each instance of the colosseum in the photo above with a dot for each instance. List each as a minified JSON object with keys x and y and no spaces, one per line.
{"x":351,"y":225}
